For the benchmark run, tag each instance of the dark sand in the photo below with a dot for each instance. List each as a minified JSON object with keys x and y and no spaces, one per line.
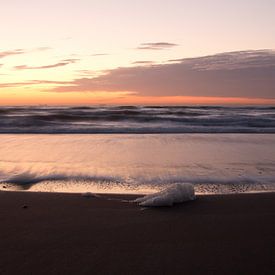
{"x":71,"y":234}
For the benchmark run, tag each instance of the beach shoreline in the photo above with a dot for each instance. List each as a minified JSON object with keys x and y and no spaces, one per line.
{"x":57,"y":233}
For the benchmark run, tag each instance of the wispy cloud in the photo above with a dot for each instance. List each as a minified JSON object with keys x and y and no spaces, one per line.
{"x":231,"y":60}
{"x":12,"y":52}
{"x":145,"y":62}
{"x":59,"y":64}
{"x":99,"y":54}
{"x":156,"y":46}
{"x":234,"y":74}
{"x":42,"y":49}
{"x":31,"y":82}
{"x":87,"y":73}
{"x":21,"y":51}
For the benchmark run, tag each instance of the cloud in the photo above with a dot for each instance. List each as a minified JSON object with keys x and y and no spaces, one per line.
{"x":234,"y":74}
{"x":40,"y":49}
{"x":59,"y":64}
{"x":31,"y":82}
{"x":231,"y":60}
{"x":156,"y":46}
{"x":22,"y":51}
{"x":99,"y":54}
{"x":143,"y":62}
{"x":87,"y":73}
{"x":11,"y":52}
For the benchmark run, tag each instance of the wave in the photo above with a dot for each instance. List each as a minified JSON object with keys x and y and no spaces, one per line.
{"x":138,"y":119}
{"x":209,"y":185}
{"x":27,"y":178}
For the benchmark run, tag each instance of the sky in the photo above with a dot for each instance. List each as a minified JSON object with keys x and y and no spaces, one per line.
{"x":137,"y":52}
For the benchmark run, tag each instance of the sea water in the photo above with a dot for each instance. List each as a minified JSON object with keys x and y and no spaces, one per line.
{"x":137,"y":119}
{"x":137,"y":163}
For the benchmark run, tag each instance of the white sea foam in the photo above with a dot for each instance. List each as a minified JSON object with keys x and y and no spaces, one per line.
{"x":32,"y":178}
{"x":177,"y":193}
{"x":97,"y":183}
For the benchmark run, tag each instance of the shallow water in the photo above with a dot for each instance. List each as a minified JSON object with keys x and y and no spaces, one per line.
{"x":129,"y":163}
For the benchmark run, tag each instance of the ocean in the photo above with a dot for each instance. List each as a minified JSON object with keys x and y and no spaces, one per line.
{"x":137,"y":119}
{"x":137,"y":149}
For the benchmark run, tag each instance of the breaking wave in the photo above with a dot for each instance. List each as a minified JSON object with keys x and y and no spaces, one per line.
{"x":137,"y":119}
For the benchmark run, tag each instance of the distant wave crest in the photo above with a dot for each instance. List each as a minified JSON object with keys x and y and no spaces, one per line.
{"x":137,"y":119}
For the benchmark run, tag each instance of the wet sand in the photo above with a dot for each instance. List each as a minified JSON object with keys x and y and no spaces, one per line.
{"x":71,"y":234}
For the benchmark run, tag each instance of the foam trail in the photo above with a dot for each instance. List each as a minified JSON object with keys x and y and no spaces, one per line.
{"x":140,"y":184}
{"x":27,"y":178}
{"x":212,"y":180}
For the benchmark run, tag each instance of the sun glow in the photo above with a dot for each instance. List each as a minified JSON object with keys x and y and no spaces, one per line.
{"x":42,"y":52}
{"x":32,"y":97}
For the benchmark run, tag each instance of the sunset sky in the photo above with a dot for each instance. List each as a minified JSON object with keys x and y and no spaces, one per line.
{"x":137,"y":52}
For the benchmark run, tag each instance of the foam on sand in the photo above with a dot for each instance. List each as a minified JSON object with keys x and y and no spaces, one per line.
{"x":177,"y":193}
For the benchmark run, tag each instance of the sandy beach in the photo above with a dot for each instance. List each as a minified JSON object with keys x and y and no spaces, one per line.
{"x":51,"y":233}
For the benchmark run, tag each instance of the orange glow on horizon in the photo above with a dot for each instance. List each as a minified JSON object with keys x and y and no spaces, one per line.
{"x":117,"y":98}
